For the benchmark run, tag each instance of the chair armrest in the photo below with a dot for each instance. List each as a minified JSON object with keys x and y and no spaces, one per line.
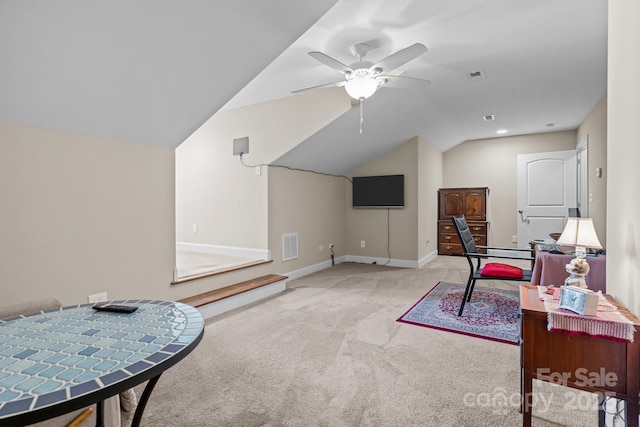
{"x":505,"y":249}
{"x":484,"y":256}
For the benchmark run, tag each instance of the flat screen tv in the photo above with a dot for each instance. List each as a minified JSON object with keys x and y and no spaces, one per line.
{"x":385,"y":191}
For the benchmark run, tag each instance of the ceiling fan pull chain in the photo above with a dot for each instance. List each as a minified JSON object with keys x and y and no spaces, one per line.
{"x":361,"y":116}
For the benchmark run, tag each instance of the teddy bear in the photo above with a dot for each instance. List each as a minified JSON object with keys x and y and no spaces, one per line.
{"x":577,"y":269}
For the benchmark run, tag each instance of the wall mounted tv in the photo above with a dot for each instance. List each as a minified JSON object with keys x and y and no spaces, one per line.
{"x":385,"y":191}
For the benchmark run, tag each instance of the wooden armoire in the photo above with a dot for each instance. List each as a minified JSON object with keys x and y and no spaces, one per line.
{"x":470,"y":202}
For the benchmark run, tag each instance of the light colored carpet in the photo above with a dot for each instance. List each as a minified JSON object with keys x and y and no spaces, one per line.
{"x":328,"y":352}
{"x":191,"y":263}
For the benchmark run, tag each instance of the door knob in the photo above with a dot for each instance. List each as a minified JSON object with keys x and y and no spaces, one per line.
{"x":522,"y":217}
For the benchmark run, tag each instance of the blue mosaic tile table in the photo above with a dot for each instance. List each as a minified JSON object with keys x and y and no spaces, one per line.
{"x":58,"y":361}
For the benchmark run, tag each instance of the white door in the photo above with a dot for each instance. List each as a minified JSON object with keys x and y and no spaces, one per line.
{"x":547,"y":188}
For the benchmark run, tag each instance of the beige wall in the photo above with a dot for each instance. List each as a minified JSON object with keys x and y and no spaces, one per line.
{"x":493,"y":163}
{"x":82,"y":215}
{"x":311,"y":205}
{"x":371,"y":226}
{"x":595,"y":127}
{"x":409,"y":228}
{"x":214,"y":190}
{"x":623,"y":152}
{"x":429,"y":181}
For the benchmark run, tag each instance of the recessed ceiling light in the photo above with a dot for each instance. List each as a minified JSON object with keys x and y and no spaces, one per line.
{"x":501,"y":131}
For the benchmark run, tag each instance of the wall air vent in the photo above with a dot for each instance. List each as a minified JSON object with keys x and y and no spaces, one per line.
{"x":289,"y":246}
{"x":475,"y":76}
{"x":488,"y":117}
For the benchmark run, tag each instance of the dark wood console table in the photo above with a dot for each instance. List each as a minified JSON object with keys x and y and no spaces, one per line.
{"x":545,"y":355}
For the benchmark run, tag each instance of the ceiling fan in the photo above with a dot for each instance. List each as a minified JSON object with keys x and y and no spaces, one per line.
{"x":362,"y":78}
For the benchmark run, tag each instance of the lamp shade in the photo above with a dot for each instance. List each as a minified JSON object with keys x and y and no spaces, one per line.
{"x":361,"y":87}
{"x":579,"y":232}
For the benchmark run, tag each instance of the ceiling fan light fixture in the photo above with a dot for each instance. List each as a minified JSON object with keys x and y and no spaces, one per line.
{"x":361,"y":87}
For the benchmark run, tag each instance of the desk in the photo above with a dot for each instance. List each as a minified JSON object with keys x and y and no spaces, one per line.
{"x":549,"y":269}
{"x":547,"y":355}
{"x":55,"y":362}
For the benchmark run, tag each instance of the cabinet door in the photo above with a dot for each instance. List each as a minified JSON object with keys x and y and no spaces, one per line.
{"x":474,"y":204}
{"x":450,"y":204}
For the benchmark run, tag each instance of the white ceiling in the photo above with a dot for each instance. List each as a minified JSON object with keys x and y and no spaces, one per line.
{"x":149,"y":71}
{"x":153,"y":71}
{"x":544,"y":62}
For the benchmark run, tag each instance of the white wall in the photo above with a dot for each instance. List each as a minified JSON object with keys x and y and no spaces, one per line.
{"x":493,"y":163}
{"x":82,"y":215}
{"x":623,"y":152}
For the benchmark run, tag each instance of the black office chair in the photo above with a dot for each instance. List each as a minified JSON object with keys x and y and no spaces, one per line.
{"x":493,"y":271}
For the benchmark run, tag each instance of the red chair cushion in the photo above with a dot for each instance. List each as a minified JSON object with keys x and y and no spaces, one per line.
{"x":495,"y":269}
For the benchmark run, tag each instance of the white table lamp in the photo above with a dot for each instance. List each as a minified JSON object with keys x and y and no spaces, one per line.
{"x":579,"y":232}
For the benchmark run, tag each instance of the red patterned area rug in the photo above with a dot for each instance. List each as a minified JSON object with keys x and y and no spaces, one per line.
{"x":491,"y":314}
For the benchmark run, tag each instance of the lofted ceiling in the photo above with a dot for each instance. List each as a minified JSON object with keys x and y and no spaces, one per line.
{"x":153,"y":71}
{"x":149,"y":71}
{"x":542,"y":63}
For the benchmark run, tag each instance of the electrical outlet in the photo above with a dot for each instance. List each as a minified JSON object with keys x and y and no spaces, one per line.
{"x":195,"y":228}
{"x":321,"y":248}
{"x":330,"y":245}
{"x":514,"y":239}
{"x":102,"y":296}
{"x":362,"y":244}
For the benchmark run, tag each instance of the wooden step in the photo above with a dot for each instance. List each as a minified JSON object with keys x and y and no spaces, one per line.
{"x":231,"y":290}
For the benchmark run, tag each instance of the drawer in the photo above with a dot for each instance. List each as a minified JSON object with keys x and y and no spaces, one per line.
{"x":449,"y":238}
{"x":449,"y":249}
{"x":478,"y":229}
{"x":479,"y":240}
{"x":447,"y":227}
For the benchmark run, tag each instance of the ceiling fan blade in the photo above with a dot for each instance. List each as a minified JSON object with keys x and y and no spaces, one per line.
{"x":399,"y":58}
{"x":309,"y":89}
{"x":330,"y":62}
{"x":403,"y":81}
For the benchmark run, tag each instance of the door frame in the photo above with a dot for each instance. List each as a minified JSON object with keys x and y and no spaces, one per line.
{"x":582,"y":152}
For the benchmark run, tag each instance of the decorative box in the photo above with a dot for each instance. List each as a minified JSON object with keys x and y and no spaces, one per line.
{"x":579,"y":300}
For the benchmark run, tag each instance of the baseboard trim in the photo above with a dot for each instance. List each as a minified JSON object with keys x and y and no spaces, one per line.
{"x":305,"y":271}
{"x":253,"y":253}
{"x":403,"y":263}
{"x":427,"y":259}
